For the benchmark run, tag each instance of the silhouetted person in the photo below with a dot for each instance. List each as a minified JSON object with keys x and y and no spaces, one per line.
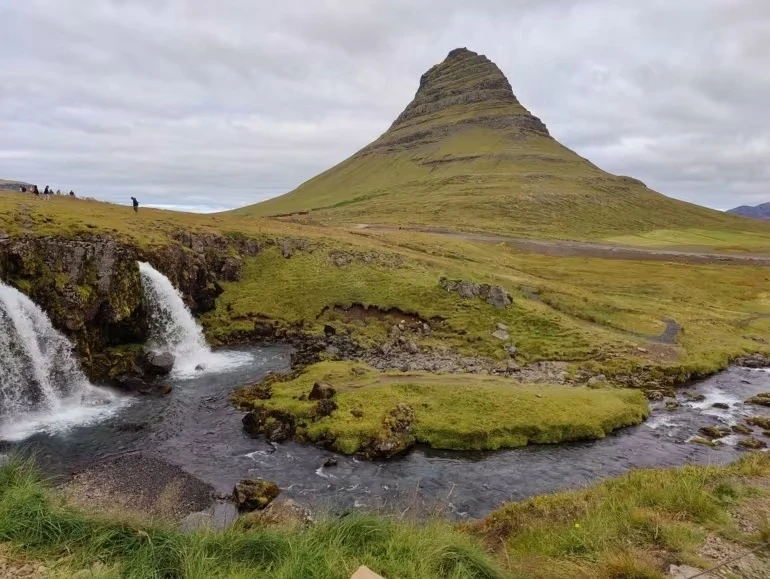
{"x":136,"y":204}
{"x":46,"y":193}
{"x":58,"y":191}
{"x":72,"y":193}
{"x":35,"y":191}
{"x":23,"y":189}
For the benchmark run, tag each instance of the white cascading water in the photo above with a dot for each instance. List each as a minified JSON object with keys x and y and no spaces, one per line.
{"x":173,"y":329}
{"x":41,"y":385}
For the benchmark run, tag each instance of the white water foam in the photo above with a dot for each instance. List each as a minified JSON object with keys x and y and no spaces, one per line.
{"x":173,"y":329}
{"x":41,"y":385}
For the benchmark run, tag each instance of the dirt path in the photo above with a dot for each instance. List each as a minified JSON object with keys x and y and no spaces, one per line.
{"x":591,"y":249}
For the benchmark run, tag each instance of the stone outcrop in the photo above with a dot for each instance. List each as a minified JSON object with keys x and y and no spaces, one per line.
{"x":494,"y":295}
{"x":397,"y":434}
{"x":158,"y":363}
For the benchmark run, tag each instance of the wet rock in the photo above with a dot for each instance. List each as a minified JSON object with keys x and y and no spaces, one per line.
{"x":713,"y":432}
{"x":254,"y":494}
{"x":322,"y":391}
{"x":759,"y":421}
{"x":158,"y":363}
{"x":762,"y":399}
{"x":330,"y":462}
{"x":672,"y":405}
{"x":752,"y":444}
{"x":754,"y":361}
{"x":325,"y":407}
{"x":200,"y":368}
{"x":693,"y":397}
{"x":139,"y":386}
{"x":276,"y":425}
{"x":655,"y":395}
{"x":705,"y":441}
{"x":721,"y":405}
{"x":740,"y":429}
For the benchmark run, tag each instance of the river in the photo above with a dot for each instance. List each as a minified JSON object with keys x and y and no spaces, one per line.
{"x":196,"y":428}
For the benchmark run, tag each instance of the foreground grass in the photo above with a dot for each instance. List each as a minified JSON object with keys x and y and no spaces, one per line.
{"x":35,"y":521}
{"x":633,"y":526}
{"x":462,"y":412}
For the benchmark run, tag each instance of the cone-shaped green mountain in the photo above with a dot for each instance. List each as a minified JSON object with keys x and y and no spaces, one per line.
{"x":465,"y":154}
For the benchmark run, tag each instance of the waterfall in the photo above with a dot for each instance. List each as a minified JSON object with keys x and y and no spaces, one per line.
{"x":41,"y":384}
{"x":173,"y":329}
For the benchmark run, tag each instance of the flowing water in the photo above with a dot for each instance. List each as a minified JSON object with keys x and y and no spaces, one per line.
{"x":41,"y":385}
{"x":196,"y":428}
{"x":173,"y":329}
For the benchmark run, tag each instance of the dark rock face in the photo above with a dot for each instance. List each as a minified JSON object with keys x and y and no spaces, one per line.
{"x":494,"y":295}
{"x":754,"y":361}
{"x":254,"y":495}
{"x":90,"y":289}
{"x":158,"y":364}
{"x":322,"y":391}
{"x":276,"y":425}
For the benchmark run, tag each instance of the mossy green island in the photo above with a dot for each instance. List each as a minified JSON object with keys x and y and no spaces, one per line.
{"x":379,"y":414}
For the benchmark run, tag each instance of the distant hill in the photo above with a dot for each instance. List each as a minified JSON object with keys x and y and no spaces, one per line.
{"x":761,"y":211}
{"x":10,"y":184}
{"x":465,"y":154}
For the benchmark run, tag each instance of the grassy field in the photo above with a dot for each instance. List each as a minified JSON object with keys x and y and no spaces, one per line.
{"x":632,"y":526}
{"x":588,"y":311}
{"x":462,"y":412}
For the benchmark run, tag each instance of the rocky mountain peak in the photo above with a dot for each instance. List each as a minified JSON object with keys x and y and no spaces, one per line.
{"x":465,"y":90}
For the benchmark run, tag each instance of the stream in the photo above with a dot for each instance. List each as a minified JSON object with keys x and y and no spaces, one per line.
{"x":196,"y":428}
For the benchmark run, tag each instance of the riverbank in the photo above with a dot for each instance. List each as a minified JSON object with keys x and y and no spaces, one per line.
{"x":637,"y":525}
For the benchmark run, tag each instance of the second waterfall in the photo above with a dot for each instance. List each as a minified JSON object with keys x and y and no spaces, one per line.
{"x":173,"y":329}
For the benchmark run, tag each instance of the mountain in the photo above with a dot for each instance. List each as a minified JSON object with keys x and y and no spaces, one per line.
{"x":9,"y":184}
{"x":466,"y":154}
{"x":761,"y":211}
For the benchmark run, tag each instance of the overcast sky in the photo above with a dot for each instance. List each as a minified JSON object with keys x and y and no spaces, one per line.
{"x":208,"y":105}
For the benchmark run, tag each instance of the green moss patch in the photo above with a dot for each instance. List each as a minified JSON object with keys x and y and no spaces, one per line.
{"x":463,"y":412}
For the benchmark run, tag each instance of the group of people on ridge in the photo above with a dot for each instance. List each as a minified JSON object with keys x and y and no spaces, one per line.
{"x":46,"y":192}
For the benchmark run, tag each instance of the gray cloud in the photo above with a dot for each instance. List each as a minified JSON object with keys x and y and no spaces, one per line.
{"x":219,"y":104}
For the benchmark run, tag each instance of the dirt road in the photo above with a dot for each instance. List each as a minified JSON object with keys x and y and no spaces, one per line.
{"x":592,"y":249}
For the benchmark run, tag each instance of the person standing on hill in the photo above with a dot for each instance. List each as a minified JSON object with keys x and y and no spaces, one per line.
{"x":46,"y":193}
{"x":136,"y":204}
{"x":72,"y":193}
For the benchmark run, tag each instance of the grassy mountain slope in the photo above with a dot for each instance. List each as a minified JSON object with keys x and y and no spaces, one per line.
{"x":466,"y":154}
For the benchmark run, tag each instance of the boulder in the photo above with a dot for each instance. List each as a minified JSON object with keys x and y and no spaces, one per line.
{"x":254,"y":494}
{"x":693,"y":397}
{"x":752,"y":444}
{"x":754,"y":361}
{"x":721,"y":405}
{"x":501,"y":335}
{"x":598,"y":379}
{"x":655,"y":395}
{"x":139,"y":386}
{"x":330,"y":461}
{"x":760,"y":421}
{"x":158,"y":363}
{"x":741,"y":429}
{"x":502,"y":326}
{"x":712,"y":432}
{"x":512,"y":351}
{"x":397,"y":434}
{"x":329,"y":330}
{"x":276,"y":425}
{"x":264,"y":330}
{"x":498,"y":298}
{"x":282,"y":514}
{"x":322,"y":391}
{"x":762,"y":399}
